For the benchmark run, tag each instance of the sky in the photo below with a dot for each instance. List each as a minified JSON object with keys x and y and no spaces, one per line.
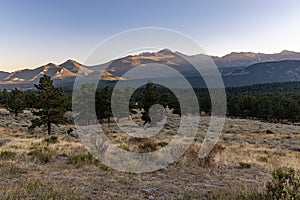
{"x":35,"y":32}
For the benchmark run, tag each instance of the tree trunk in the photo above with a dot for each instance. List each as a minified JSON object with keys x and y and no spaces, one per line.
{"x":32,"y":107}
{"x":49,"y":128}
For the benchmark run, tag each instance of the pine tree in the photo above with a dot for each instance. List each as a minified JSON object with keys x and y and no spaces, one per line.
{"x":51,"y":104}
{"x":16,"y":104}
{"x":30,"y":99}
{"x":5,"y":96}
{"x":123,"y":107}
{"x":103,"y":103}
{"x":82,"y":104}
{"x":149,"y":98}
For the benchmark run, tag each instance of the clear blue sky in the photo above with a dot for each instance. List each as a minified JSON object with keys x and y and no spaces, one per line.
{"x":35,"y":32}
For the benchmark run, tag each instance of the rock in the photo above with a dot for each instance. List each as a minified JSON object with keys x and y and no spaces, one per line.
{"x":53,"y":173}
{"x":61,"y":156}
{"x":72,"y":133}
{"x":148,"y":190}
{"x":4,"y":112}
{"x":69,"y":116}
{"x":4,"y":141}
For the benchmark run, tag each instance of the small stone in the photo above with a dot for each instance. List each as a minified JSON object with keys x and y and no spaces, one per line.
{"x":148,"y":190}
{"x":53,"y":173}
{"x":61,"y":156}
{"x":5,"y":140}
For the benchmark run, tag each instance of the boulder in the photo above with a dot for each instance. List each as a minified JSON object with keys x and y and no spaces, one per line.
{"x":4,"y":112}
{"x":69,"y":117}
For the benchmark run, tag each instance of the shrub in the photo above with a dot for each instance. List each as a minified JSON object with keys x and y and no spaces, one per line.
{"x":285,"y":184}
{"x":245,"y":165}
{"x":7,"y":155}
{"x":147,"y":146}
{"x":263,"y":159}
{"x":2,"y":143}
{"x":162,"y":144}
{"x":41,"y":153}
{"x":85,"y":158}
{"x":51,"y":140}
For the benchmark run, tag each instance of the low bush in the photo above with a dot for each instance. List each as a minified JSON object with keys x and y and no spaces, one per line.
{"x":7,"y":155}
{"x":285,"y":184}
{"x":81,"y":159}
{"x":51,"y":140}
{"x":86,"y":159}
{"x":41,"y":153}
{"x":245,"y":165}
{"x":147,"y":146}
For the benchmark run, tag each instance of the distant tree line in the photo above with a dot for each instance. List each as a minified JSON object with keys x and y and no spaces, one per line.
{"x":16,"y":100}
{"x":285,"y":88}
{"x":271,"y":107}
{"x":247,"y":102}
{"x":49,"y":103}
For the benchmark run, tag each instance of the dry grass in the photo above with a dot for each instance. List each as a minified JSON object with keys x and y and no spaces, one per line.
{"x":37,"y":189}
{"x":36,"y":166}
{"x":262,"y":156}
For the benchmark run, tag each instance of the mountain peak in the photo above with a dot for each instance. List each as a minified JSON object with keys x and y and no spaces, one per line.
{"x":242,"y":53}
{"x":70,"y":62}
{"x":75,"y":67}
{"x":51,"y":65}
{"x":287,"y":52}
{"x":165,"y":51}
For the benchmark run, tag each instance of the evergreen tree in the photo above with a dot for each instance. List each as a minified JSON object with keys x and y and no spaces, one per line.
{"x":30,"y":99}
{"x":103,"y":103}
{"x":174,"y":104}
{"x":16,"y":102}
{"x":264,"y":107}
{"x":52,"y":104}
{"x":149,"y":98}
{"x":122,"y":106}
{"x":5,"y":98}
{"x":83,"y":102}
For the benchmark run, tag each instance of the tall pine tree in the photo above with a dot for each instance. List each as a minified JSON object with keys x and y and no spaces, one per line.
{"x":52,"y":104}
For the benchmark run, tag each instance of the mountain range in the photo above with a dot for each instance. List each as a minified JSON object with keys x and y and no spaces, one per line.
{"x":237,"y":69}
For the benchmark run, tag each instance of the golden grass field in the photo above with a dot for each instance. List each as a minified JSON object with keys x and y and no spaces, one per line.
{"x":38,"y":166}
